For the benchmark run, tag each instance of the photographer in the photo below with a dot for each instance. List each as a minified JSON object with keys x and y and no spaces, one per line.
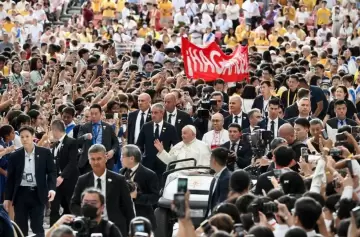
{"x":218,"y":107}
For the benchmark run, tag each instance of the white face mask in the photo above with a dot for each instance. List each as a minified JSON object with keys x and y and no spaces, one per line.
{"x":327,"y":223}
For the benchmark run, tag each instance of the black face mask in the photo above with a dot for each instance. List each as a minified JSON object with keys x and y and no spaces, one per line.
{"x":89,"y":211}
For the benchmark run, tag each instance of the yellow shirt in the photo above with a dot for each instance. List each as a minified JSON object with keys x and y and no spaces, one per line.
{"x":120,"y":5}
{"x":290,"y":12}
{"x":250,"y":35}
{"x":8,"y":26}
{"x":231,"y":42}
{"x":261,"y":42}
{"x":166,"y":8}
{"x":301,"y":34}
{"x":323,"y":16}
{"x":282,"y":31}
{"x":5,"y":71}
{"x":239,"y":29}
{"x":24,"y":13}
{"x":108,"y":12}
{"x":143,"y":32}
{"x":309,"y":4}
{"x":273,"y":40}
{"x":85,"y":39}
{"x":356,"y":75}
{"x":96,"y":5}
{"x":239,"y":2}
{"x":11,"y":11}
{"x":323,"y":61}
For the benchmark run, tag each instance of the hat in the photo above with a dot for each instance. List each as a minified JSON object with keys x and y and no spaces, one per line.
{"x":272,"y":52}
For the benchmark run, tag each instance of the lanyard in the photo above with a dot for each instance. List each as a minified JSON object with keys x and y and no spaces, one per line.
{"x":288,"y":98}
{"x":96,"y":134}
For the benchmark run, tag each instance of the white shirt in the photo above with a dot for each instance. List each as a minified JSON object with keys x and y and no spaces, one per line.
{"x":191,"y":9}
{"x":213,"y":138}
{"x":21,"y":5}
{"x":137,"y":124}
{"x":71,"y":133}
{"x":207,"y":7}
{"x":57,"y":149}
{"x":250,"y":9}
{"x":233,"y":11}
{"x":302,"y":17}
{"x":239,"y":118}
{"x":220,"y":9}
{"x":173,"y":117}
{"x":7,"y":5}
{"x":29,"y":170}
{"x":133,"y":170}
{"x":280,"y":230}
{"x":159,"y":57}
{"x":208,"y":38}
{"x":224,"y":25}
{"x":181,"y":18}
{"x":195,"y":149}
{"x":125,"y":12}
{"x":3,"y":15}
{"x":103,"y":189}
{"x":160,"y":127}
{"x":323,"y":33}
{"x":276,"y":126}
{"x":35,"y":31}
{"x":198,"y":28}
{"x":177,"y":4}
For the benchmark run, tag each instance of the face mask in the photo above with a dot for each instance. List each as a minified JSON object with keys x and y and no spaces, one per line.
{"x":89,"y":211}
{"x":144,"y":26}
{"x":327,"y":223}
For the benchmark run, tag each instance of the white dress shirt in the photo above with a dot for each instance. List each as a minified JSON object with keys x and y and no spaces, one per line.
{"x":233,"y":11}
{"x":251,"y":9}
{"x":133,"y":170}
{"x":224,"y":25}
{"x":173,"y":117}
{"x":29,"y":170}
{"x":181,"y":18}
{"x":103,"y":189}
{"x":239,"y":118}
{"x":276,"y":126}
{"x":160,"y":127}
{"x":57,"y":149}
{"x":137,"y":125}
{"x":213,"y":138}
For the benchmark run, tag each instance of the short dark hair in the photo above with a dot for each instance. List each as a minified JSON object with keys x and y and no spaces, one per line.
{"x":274,"y":101}
{"x":302,"y":92}
{"x":235,"y":125}
{"x":339,"y":102}
{"x":219,"y":81}
{"x":283,"y":156}
{"x":296,"y":232}
{"x":268,"y":83}
{"x":239,"y":181}
{"x":220,"y":154}
{"x":5,"y":131}
{"x":302,"y":122}
{"x":96,"y":106}
{"x":58,"y":124}
{"x":94,"y":191}
{"x":82,"y":51}
{"x":68,"y":110}
{"x":27,"y":128}
{"x":308,"y":211}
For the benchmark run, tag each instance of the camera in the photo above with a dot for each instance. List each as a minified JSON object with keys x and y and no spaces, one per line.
{"x":259,"y":139}
{"x":82,"y":226}
{"x":266,"y":208}
{"x":341,"y":137}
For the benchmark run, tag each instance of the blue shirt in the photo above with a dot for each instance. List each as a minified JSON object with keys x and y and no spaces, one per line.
{"x":341,"y":124}
{"x":317,"y":95}
{"x":97,"y":133}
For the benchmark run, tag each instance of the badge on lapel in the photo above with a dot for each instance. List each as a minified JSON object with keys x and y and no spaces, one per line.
{"x":104,"y":127}
{"x":179,"y":120}
{"x":109,"y":180}
{"x":163,"y":129}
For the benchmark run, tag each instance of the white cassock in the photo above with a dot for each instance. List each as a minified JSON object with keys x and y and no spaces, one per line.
{"x":214,"y":139}
{"x":196,"y":149}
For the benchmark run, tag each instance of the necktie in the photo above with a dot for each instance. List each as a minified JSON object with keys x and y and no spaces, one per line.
{"x":169,"y":119}
{"x":233,"y":146}
{"x":236,"y":119}
{"x":273,"y":127}
{"x":341,"y":122}
{"x":127,"y":174}
{"x":98,"y":186}
{"x":142,"y":120}
{"x":95,"y":132}
{"x":156,"y":135}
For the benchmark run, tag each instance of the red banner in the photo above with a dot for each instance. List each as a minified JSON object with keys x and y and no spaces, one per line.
{"x":211,"y":63}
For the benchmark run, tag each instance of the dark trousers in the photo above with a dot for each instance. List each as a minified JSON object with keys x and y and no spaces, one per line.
{"x":62,"y":198}
{"x":28,"y":205}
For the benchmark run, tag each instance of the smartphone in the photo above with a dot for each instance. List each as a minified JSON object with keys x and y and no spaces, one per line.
{"x":324,"y":134}
{"x":182,"y":185}
{"x":349,"y":166}
{"x":179,"y":202}
{"x":124,"y":116}
{"x":109,"y":116}
{"x":147,"y":83}
{"x":238,"y":229}
{"x":141,"y":234}
{"x":68,"y":64}
{"x":305,"y":154}
{"x":341,"y":137}
{"x":207,"y":228}
{"x":356,"y":212}
{"x":139,"y":226}
{"x":116,"y":116}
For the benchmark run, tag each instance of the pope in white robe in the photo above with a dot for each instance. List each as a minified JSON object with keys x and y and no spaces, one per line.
{"x":218,"y":135}
{"x":189,"y":147}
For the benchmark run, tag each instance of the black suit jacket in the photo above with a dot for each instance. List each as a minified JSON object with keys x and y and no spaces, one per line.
{"x":147,"y":192}
{"x":109,"y":140}
{"x":132,"y":124}
{"x":245,"y":121}
{"x":264,"y":182}
{"x":263,"y":123}
{"x":291,"y":111}
{"x":119,"y":206}
{"x":145,"y":142}
{"x":45,"y":173}
{"x":66,"y":160}
{"x":243,"y":154}
{"x":182,"y":119}
{"x":333,"y":123}
{"x":218,"y":193}
{"x":259,"y":102}
{"x":224,"y":113}
{"x":201,"y":126}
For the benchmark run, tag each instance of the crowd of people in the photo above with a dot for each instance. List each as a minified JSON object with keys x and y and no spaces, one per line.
{"x":88,"y":127}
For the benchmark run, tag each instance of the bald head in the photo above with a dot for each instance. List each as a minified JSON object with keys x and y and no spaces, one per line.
{"x":170,"y":102}
{"x":144,"y":101}
{"x":287,"y":132}
{"x":235,"y":104}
